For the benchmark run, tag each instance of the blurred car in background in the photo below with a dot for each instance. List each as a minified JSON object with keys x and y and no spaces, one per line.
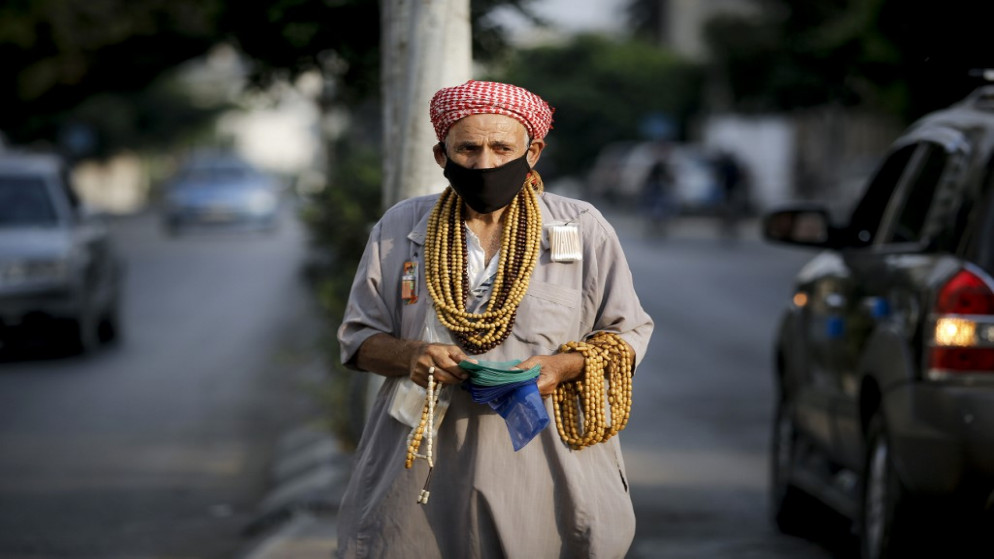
{"x":884,"y":360}
{"x":60,"y":279}
{"x":221,"y":189}
{"x":622,"y":170}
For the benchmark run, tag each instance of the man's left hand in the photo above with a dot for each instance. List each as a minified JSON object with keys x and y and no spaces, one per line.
{"x":557,"y":368}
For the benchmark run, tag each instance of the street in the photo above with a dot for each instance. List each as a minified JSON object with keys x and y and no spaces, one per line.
{"x":697,"y":440}
{"x":158,"y":446}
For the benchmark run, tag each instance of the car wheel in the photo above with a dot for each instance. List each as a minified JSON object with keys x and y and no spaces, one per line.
{"x":889,"y":519}
{"x":790,"y":507}
{"x":109,"y":328}
{"x":84,"y":334}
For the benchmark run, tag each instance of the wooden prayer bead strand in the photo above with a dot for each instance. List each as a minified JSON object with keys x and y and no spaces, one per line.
{"x":427,"y":421}
{"x":520,"y":245}
{"x":606,"y":362}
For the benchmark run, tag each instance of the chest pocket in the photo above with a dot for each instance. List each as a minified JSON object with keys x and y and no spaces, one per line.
{"x":548,"y":316}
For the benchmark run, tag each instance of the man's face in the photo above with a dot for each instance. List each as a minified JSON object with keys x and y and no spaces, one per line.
{"x":485,"y":141}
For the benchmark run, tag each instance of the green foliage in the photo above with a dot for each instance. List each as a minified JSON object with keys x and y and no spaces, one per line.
{"x":895,"y":56}
{"x":602,"y":91}
{"x":644,"y":17}
{"x":58,"y":53}
{"x":339,"y":218}
{"x":284,"y":38}
{"x":489,"y":41}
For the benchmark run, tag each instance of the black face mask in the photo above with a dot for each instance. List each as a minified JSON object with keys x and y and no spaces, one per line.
{"x":487,"y":190}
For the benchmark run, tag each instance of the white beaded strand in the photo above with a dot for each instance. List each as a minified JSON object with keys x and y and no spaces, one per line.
{"x":429,"y":435}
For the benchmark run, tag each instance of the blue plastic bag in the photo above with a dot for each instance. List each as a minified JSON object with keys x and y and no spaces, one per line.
{"x":523,"y":412}
{"x":519,"y":403}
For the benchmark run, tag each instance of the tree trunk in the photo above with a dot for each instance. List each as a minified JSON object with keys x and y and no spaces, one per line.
{"x":426,"y":46}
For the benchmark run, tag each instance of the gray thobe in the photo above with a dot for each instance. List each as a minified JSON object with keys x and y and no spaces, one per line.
{"x":545,"y":500}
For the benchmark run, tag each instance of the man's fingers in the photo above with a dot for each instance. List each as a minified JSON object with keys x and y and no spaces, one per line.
{"x":445,"y":359}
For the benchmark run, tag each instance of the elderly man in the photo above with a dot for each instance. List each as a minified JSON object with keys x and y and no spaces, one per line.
{"x":493,"y":270}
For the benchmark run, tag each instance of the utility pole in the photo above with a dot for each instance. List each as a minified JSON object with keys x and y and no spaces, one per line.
{"x":426,"y":46}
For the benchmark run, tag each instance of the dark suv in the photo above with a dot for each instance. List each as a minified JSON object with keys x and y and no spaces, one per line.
{"x":885,"y":354}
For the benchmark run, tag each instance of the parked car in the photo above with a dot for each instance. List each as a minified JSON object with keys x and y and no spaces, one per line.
{"x":212,"y":189}
{"x":60,"y":278}
{"x":885,"y":353}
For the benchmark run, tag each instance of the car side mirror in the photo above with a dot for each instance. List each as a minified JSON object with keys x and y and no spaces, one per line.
{"x":800,"y":226}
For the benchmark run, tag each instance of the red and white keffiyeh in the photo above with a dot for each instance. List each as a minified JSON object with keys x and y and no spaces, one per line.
{"x":473,"y":97}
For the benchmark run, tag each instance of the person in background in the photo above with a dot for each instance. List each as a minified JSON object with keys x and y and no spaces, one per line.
{"x":732,"y":184}
{"x":657,"y":193}
{"x":494,"y":270}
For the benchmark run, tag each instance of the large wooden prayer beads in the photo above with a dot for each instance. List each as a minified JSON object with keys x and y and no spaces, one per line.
{"x":579,"y":406}
{"x":447,"y":277}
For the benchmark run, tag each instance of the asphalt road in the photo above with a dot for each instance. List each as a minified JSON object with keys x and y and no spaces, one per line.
{"x":159,"y":445}
{"x":697,"y":441}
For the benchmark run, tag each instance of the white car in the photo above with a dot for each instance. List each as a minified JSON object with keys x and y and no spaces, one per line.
{"x":221,"y":190}
{"x":60,"y":279}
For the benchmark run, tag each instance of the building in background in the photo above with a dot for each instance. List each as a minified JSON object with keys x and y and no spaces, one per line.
{"x":681,"y":22}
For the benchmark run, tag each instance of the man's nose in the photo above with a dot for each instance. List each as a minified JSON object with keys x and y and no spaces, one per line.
{"x":487,"y":159}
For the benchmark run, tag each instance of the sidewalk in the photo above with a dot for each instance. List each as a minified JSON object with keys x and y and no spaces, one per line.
{"x":297,"y":517}
{"x":305,"y":536}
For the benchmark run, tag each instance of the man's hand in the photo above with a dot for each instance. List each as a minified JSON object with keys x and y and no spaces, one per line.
{"x":393,"y":357}
{"x":557,"y":368}
{"x":444,"y":358}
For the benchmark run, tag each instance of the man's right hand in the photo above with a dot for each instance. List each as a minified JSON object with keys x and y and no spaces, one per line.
{"x":441,"y":359}
{"x":393,"y":357}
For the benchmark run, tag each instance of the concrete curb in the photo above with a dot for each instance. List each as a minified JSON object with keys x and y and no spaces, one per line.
{"x":305,"y":536}
{"x":297,"y":517}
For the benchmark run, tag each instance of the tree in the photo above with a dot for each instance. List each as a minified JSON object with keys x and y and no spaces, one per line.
{"x":58,"y":53}
{"x":905,"y":58}
{"x":428,"y":47}
{"x":604,"y":91}
{"x":645,"y":19}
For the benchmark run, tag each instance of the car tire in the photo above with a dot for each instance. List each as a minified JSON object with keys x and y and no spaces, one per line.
{"x":889,"y":521}
{"x":83,"y":334}
{"x":109,"y":328}
{"x":791,"y":508}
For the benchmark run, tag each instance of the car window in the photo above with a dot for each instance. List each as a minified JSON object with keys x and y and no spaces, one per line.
{"x":909,"y":221}
{"x":865,"y":219}
{"x":979,"y":225}
{"x":25,"y":201}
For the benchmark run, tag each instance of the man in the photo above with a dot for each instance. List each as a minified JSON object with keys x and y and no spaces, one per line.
{"x":492,"y":270}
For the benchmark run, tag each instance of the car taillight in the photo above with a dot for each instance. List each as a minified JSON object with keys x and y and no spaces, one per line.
{"x":963,"y":339}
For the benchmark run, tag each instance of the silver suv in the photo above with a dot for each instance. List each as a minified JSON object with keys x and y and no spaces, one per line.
{"x":60,"y":279}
